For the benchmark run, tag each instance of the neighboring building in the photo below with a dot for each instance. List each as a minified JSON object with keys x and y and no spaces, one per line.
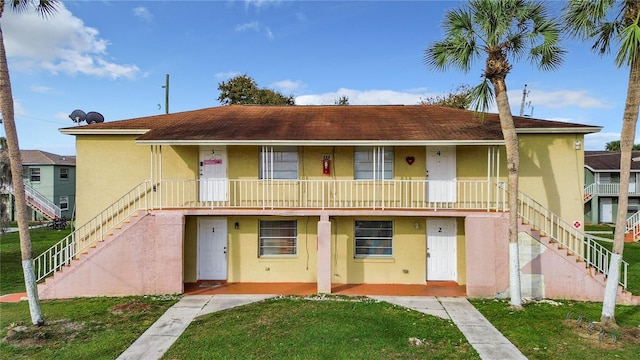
{"x":602,"y":186}
{"x":331,"y":195}
{"x":50,"y":185}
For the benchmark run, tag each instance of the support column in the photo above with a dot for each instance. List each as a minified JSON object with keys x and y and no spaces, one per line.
{"x":324,"y":255}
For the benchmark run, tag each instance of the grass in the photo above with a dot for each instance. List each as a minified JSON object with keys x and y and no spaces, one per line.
{"x":549,"y":331}
{"x":11,"y":277}
{"x":90,"y":328}
{"x":303,"y":328}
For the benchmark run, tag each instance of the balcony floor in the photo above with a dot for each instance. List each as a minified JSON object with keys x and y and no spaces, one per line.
{"x":445,"y":289}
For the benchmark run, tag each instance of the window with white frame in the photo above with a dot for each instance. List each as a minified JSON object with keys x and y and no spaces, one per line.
{"x":279,"y":162}
{"x":278,"y":238}
{"x":64,"y":173}
{"x":373,"y":238}
{"x":64,"y":203}
{"x":373,"y":163}
{"x":34,"y":174}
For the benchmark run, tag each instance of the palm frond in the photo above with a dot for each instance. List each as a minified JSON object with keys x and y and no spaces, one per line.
{"x":45,"y":8}
{"x":482,"y":97}
{"x":630,"y":46}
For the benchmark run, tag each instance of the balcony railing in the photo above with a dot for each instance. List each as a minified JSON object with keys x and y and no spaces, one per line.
{"x":328,"y":194}
{"x":608,"y":189}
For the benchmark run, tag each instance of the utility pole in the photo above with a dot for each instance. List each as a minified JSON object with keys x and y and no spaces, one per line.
{"x":166,"y":95}
{"x":524,"y":96}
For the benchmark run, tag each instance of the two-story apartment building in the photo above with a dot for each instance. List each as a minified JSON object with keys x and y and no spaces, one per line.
{"x":602,"y":186}
{"x":50,"y":185}
{"x":331,"y":195}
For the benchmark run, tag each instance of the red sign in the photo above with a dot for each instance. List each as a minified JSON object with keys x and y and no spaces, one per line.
{"x":213,"y":162}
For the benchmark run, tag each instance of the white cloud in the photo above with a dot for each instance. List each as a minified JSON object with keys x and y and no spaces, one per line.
{"x":248,"y":26}
{"x":41,"y":89}
{"x":557,"y":99}
{"x":260,"y":3}
{"x":359,"y":97}
{"x":143,"y":13}
{"x":287,"y":86}
{"x":268,"y":32}
{"x":60,"y":43}
{"x":227,"y":75}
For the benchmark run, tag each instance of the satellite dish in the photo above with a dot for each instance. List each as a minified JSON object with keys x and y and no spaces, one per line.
{"x":94,"y":117}
{"x":78,"y":116}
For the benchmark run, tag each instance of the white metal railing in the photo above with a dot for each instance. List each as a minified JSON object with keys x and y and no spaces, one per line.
{"x":39,"y":202}
{"x":609,"y":189}
{"x":575,"y":241}
{"x":63,"y":252}
{"x":324,"y":194}
{"x":633,"y":225}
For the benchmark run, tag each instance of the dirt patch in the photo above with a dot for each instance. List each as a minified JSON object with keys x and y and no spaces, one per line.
{"x":136,"y":306}
{"x":51,"y":333}
{"x":603,"y":338}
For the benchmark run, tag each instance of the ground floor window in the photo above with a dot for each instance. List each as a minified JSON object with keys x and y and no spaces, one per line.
{"x":64,"y":203}
{"x":278,"y":237}
{"x":373,"y":238}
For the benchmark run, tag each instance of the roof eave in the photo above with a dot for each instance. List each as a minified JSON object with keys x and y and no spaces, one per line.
{"x":76,"y":131}
{"x":570,"y":130}
{"x":323,"y":142}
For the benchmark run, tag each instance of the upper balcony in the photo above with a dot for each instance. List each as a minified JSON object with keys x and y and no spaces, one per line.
{"x":608,"y":189}
{"x":326,"y":194}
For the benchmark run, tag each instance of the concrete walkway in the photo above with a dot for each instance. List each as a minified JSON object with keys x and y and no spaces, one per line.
{"x":485,"y":339}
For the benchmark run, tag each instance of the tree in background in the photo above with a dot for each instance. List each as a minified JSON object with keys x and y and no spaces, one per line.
{"x":608,"y":22}
{"x":342,"y":100}
{"x":460,"y":98}
{"x":44,"y":8}
{"x":615,"y":146}
{"x":243,"y":90}
{"x":5,"y":182}
{"x":500,"y":30}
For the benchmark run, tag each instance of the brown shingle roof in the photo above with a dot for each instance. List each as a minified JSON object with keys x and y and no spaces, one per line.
{"x":608,"y":160}
{"x":325,"y":123}
{"x":39,"y":157}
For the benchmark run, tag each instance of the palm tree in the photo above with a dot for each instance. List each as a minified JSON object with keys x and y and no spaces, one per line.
{"x":608,"y":22}
{"x":43,"y":7}
{"x":5,"y":180}
{"x":501,"y":30}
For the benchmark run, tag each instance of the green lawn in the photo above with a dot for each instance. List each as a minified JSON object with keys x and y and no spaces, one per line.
{"x":299,"y":328}
{"x":550,"y":331}
{"x":92,"y":328}
{"x":11,"y":277}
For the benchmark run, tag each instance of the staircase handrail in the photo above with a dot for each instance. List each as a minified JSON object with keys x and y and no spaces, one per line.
{"x":87,"y":235}
{"x":579,"y":244}
{"x":590,"y":189}
{"x":48,"y":207}
{"x":633,"y":224}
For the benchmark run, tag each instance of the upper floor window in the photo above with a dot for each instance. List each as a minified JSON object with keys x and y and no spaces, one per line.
{"x":34,"y":174}
{"x":64,"y":173}
{"x":373,"y":238}
{"x":373,"y":163}
{"x":278,"y":237}
{"x":279,"y":162}
{"x":64,"y":203}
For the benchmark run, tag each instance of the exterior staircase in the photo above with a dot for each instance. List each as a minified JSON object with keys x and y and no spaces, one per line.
{"x":40,"y":203}
{"x":632,"y":232}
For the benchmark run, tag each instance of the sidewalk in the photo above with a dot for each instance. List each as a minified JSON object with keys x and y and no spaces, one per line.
{"x":485,"y":339}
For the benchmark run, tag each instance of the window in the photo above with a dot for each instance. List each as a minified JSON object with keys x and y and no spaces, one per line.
{"x":373,"y":238}
{"x":373,"y":163}
{"x":64,"y":173}
{"x":34,"y":174}
{"x":64,"y":203}
{"x":279,"y":162}
{"x":278,"y":237}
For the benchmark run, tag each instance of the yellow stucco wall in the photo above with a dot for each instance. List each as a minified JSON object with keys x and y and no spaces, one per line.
{"x":107,"y":167}
{"x":552,"y":173}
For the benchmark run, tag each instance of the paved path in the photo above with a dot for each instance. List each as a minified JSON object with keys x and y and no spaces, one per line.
{"x":485,"y":339}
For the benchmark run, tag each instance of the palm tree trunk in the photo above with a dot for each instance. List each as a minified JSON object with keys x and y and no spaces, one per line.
{"x":627,"y":137}
{"x":6,"y":105}
{"x":513,"y":164}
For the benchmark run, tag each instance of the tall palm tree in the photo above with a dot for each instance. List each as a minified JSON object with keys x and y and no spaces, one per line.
{"x":614,"y":23}
{"x":43,"y":7}
{"x":500,"y":31}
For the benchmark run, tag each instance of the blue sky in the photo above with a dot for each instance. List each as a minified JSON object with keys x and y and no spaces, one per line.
{"x":113,"y":56}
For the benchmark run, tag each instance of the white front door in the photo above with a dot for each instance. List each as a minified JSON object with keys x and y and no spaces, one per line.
{"x":213,"y":173}
{"x":212,"y":249}
{"x":441,"y":174}
{"x":606,"y":210}
{"x":441,"y":250}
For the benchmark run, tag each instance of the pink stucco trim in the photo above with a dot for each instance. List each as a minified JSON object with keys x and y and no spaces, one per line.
{"x":324,"y":255}
{"x":487,"y":251}
{"x":143,"y":258}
